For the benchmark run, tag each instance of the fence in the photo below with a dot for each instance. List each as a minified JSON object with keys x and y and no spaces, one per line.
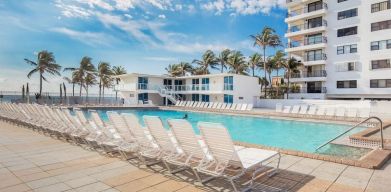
{"x":54,"y":98}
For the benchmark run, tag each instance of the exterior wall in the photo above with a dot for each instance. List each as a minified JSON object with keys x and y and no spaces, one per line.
{"x":246,"y":89}
{"x":363,"y":39}
{"x":271,"y":103}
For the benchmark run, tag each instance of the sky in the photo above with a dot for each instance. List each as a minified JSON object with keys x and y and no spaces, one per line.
{"x":144,"y":36}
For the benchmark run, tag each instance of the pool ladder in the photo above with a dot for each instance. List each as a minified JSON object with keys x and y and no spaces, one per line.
{"x":355,"y":126}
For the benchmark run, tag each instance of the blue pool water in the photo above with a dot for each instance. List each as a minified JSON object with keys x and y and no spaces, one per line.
{"x":287,"y":134}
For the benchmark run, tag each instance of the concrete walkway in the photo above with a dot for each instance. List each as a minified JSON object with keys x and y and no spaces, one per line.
{"x":30,"y":161}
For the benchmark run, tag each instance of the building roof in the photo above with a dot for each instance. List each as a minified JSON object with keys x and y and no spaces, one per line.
{"x":182,"y":77}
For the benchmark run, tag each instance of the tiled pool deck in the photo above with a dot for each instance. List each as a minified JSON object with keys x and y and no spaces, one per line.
{"x":30,"y":161}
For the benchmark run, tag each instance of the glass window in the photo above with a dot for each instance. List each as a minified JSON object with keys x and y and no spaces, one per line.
{"x":380,"y":64}
{"x":347,"y":84}
{"x":381,"y":25}
{"x":142,"y":82}
{"x":195,"y":84}
{"x":205,"y":98}
{"x":380,"y":83}
{"x":347,"y":14}
{"x":228,"y":83}
{"x":375,"y":45}
{"x":315,"y":22}
{"x":340,"y":50}
{"x":376,"y":7}
{"x":340,"y":1}
{"x":143,"y":97}
{"x":205,"y":83}
{"x":347,"y":31}
{"x":315,"y":6}
{"x":195,"y":97}
{"x":228,"y":98}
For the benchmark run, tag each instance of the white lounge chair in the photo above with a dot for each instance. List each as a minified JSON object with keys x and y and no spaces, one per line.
{"x":287,"y":109}
{"x":244,"y":107}
{"x":352,"y":113}
{"x":233,"y":107}
{"x":227,"y":161}
{"x":320,"y":113}
{"x":303,"y":110}
{"x":211,"y":104}
{"x":364,"y":113}
{"x":330,"y":112}
{"x":238,"y":106}
{"x":229,"y":105}
{"x":312,"y":111}
{"x":295,"y":110}
{"x":340,"y":113}
{"x":250,"y":107}
{"x":278,"y":108}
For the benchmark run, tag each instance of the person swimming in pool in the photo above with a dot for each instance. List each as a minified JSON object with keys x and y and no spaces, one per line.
{"x":186,"y":116}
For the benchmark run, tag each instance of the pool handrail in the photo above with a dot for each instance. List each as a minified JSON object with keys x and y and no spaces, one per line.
{"x":355,"y":126}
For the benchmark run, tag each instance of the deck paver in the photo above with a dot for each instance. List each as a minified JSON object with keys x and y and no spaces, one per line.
{"x":53,"y":165}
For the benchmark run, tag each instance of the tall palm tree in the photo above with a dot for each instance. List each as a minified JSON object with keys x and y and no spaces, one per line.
{"x":173,"y":70}
{"x":74,"y":80}
{"x":237,"y":63}
{"x":291,"y":66}
{"x":279,"y":59}
{"x":267,"y":38}
{"x":89,"y":80}
{"x":255,"y":61}
{"x":223,"y":57}
{"x":86,"y":67}
{"x":46,"y":63}
{"x":209,"y":60}
{"x":263,"y":81}
{"x":118,"y":70}
{"x":270,"y":65}
{"x":104,"y":73}
{"x":184,"y":67}
{"x":107,"y":82}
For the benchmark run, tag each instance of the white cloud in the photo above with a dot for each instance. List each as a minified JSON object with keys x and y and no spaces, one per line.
{"x":128,"y":16}
{"x":98,"y":3}
{"x":69,"y":10}
{"x":162,"y":16}
{"x":89,"y":38}
{"x":243,"y":7}
{"x":161,"y":59}
{"x":218,"y":6}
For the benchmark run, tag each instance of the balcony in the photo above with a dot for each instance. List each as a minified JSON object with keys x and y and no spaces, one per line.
{"x":310,"y":90}
{"x":303,"y":29}
{"x":293,"y":2}
{"x":318,"y":75}
{"x":306,"y":44}
{"x":305,"y":12}
{"x":314,"y":59}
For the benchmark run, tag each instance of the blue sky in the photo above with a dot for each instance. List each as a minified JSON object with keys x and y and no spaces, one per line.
{"x":144,"y":36}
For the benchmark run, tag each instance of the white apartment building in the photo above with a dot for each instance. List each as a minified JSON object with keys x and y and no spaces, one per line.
{"x":345,"y":46}
{"x":165,"y":90}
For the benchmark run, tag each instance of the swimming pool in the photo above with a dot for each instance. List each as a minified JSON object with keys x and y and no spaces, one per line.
{"x":285,"y":134}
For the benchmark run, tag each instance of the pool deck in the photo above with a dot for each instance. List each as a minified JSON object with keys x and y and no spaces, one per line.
{"x":30,"y":161}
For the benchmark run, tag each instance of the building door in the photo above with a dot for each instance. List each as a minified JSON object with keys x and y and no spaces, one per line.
{"x":167,"y":83}
{"x":179,"y":85}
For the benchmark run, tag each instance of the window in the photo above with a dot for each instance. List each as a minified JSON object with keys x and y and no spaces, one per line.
{"x":376,"y":7}
{"x":315,"y":6}
{"x":205,"y":83}
{"x":143,"y":97}
{"x":347,"y":84}
{"x":380,"y":64}
{"x":195,"y":97}
{"x":347,"y":31}
{"x":314,"y":22}
{"x":347,"y":14}
{"x":142,"y":82}
{"x":381,"y":25}
{"x":340,"y":1}
{"x":344,"y":67}
{"x":347,"y":49}
{"x":380,"y":83}
{"x":205,"y":98}
{"x":229,"y":83}
{"x":314,"y":55}
{"x":195,"y":84}
{"x":228,"y":98}
{"x":378,"y":45}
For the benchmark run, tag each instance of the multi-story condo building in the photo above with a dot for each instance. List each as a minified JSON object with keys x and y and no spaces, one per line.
{"x":345,"y":46}
{"x":163,"y":90}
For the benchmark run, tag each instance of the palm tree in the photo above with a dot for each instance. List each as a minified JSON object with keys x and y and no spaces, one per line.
{"x":263,"y":81}
{"x":279,"y":59}
{"x":89,"y":80}
{"x":107,"y":82}
{"x":267,"y":38}
{"x":223,"y":57}
{"x":73,"y":81}
{"x":118,"y":70}
{"x":270,"y":65}
{"x":237,"y":63}
{"x":104,"y":73}
{"x":86,"y":67}
{"x":208,"y":61}
{"x":46,"y":63}
{"x":173,"y":70}
{"x":255,"y":61}
{"x":291,"y":66}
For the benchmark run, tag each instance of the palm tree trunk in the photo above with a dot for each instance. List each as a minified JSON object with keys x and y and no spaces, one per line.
{"x":103,"y":94}
{"x":287,"y":92}
{"x":116,"y":92}
{"x":277,"y":83}
{"x":100,"y":89}
{"x":81,"y":85}
{"x":264,"y":65}
{"x":73,"y":89}
{"x":253,"y":70}
{"x":222,"y":67}
{"x":40,"y":84}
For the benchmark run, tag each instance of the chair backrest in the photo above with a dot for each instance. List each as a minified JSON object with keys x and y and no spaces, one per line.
{"x":214,"y":106}
{"x":229,"y":105}
{"x":287,"y":109}
{"x":159,"y":133}
{"x":233,"y":106}
{"x":80,"y":115}
{"x":250,"y":107}
{"x":295,"y":109}
{"x":364,"y":113}
{"x":219,"y":105}
{"x":210,"y":105}
{"x":191,"y":103}
{"x":340,"y":112}
{"x":187,"y":139}
{"x":352,"y":112}
{"x":120,"y":125}
{"x":137,"y":130}
{"x":321,"y":111}
{"x":223,"y":106}
{"x":205,"y":105}
{"x":219,"y":142}
{"x":278,"y":107}
{"x":312,"y":110}
{"x":303,"y":109}
{"x":330,"y":111}
{"x":244,"y":107}
{"x":238,"y":106}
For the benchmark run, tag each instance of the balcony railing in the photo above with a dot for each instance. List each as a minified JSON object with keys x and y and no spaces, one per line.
{"x":291,"y":1}
{"x":308,"y":90}
{"x":304,"y":10}
{"x":305,"y":26}
{"x":315,"y":57}
{"x":305,"y":74}
{"x":307,"y":41}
